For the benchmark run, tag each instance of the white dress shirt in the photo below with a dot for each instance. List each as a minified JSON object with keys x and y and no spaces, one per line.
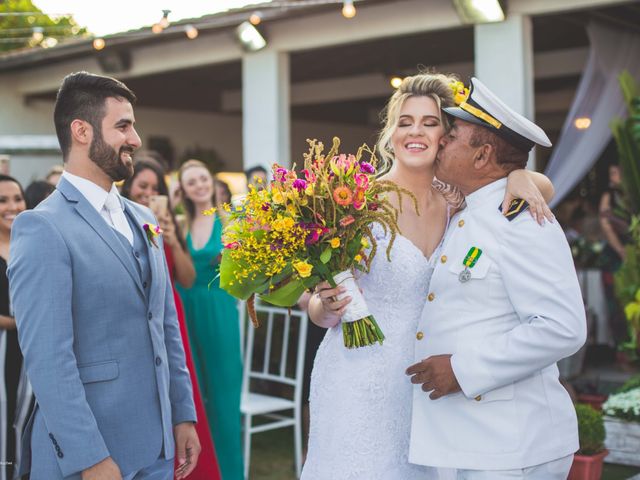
{"x":97,"y":197}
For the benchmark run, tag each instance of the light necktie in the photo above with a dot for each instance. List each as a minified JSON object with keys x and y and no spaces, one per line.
{"x":118,"y":221}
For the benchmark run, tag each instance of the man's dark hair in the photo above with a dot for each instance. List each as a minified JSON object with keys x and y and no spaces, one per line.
{"x":82,"y":96}
{"x":510,"y":158}
{"x":250,"y":172}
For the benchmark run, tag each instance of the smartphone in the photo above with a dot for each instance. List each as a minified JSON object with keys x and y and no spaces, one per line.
{"x":159,"y":204}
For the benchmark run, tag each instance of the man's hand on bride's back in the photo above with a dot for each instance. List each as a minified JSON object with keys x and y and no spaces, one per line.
{"x":325,"y":310}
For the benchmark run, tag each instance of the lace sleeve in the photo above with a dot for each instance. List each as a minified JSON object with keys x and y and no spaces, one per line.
{"x":451,"y":194}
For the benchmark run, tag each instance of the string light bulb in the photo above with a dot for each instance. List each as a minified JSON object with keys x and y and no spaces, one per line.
{"x":38,"y":34}
{"x":164,"y":21}
{"x":191,"y":31}
{"x":99,"y":43}
{"x":395,"y":82}
{"x":582,"y":123}
{"x":348,"y":9}
{"x":255,"y":18}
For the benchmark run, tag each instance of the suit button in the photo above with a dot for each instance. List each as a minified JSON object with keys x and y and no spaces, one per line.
{"x":478,"y":398}
{"x":158,"y":361}
{"x":431,"y":297}
{"x":136,"y":254}
{"x":144,"y":284}
{"x":51,"y":436}
{"x":461,"y":223}
{"x":419,"y":335}
{"x":150,"y":315}
{"x":443,"y":259}
{"x":60,"y":455}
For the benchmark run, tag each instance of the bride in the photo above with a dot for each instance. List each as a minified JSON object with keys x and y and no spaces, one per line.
{"x":360,"y":399}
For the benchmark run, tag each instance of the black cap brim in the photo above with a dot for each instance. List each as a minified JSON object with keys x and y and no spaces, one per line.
{"x":457,"y":112}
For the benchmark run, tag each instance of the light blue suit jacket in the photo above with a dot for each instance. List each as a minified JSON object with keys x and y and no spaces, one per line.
{"x":106,"y":363}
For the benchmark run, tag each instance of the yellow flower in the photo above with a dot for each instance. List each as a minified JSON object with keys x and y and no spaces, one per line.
{"x":277,"y":197}
{"x":209,"y":211}
{"x":364,"y":242}
{"x":226,"y":207}
{"x":334,"y":242}
{"x":309,"y":189}
{"x":358,"y":258}
{"x":303,"y":269}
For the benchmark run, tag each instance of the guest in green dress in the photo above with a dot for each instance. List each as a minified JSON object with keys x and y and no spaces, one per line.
{"x":212,"y":321}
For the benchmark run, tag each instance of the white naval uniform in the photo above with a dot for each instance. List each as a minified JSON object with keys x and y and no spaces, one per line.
{"x":507,"y":326}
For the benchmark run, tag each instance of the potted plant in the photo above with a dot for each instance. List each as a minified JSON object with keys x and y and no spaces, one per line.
{"x":622,"y":424}
{"x":587,"y":463}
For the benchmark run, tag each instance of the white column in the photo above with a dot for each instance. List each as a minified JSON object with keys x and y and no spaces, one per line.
{"x":265,"y":109}
{"x":504,"y":63}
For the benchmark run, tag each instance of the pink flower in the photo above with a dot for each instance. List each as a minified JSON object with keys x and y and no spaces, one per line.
{"x":299,"y":184}
{"x":346,"y":221}
{"x":280,"y":174}
{"x":367,"y":167}
{"x":232,"y":245}
{"x":362,"y":180}
{"x":359,"y":199}
{"x":311,"y":177}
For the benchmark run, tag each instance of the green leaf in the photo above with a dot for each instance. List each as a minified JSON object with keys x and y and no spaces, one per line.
{"x":288,"y":294}
{"x":326,"y":255}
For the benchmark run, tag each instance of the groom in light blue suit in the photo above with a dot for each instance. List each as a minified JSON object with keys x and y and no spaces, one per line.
{"x":95,"y":311}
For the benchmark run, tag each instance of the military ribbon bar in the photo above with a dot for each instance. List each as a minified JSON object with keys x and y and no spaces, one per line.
{"x":472,"y":257}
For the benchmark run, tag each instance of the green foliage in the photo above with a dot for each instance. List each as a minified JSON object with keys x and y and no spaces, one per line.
{"x":632,"y":383}
{"x":590,"y":429}
{"x":627,"y":136}
{"x":16,"y":31}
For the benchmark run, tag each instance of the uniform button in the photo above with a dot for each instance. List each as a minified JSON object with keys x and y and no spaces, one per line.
{"x":478,"y":398}
{"x":419,"y":335}
{"x":443,"y":259}
{"x":431,"y":296}
{"x":158,"y":360}
{"x":461,"y":223}
{"x":138,"y":255}
{"x":150,"y":315}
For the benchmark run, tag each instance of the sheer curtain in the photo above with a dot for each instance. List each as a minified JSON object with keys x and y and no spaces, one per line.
{"x":598,"y":98}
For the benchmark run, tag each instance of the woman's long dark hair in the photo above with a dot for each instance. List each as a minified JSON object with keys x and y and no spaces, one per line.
{"x":146,"y":163}
{"x":8,"y":178}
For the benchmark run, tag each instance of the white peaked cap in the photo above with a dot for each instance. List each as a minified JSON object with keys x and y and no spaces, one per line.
{"x":483,"y":107}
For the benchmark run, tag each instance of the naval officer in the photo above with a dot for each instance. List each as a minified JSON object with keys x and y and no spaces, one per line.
{"x":504,"y":305}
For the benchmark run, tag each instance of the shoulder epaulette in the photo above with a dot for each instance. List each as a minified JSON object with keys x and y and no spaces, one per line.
{"x":516,"y":207}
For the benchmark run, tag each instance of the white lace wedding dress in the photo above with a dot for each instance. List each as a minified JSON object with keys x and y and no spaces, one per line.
{"x":360,"y":399}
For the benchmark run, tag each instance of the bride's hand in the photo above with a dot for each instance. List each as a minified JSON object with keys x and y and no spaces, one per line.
{"x":331,"y":309}
{"x":532,"y":187}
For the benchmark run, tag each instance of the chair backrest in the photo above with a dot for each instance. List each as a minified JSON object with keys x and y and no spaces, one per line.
{"x":268,"y":349}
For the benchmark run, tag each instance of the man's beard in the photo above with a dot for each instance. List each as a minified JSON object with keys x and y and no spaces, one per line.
{"x":109,"y":161}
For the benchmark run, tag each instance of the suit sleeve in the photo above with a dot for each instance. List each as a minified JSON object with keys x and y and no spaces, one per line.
{"x":540,"y":279}
{"x":40,"y":279}
{"x":180,"y":388}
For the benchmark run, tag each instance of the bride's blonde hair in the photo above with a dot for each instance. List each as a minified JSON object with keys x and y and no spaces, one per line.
{"x":428,"y":84}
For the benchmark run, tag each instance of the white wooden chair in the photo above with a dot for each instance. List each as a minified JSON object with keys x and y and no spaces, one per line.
{"x":275,"y":365}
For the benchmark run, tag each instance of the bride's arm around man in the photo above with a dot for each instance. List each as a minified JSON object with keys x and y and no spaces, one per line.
{"x":504,"y":306}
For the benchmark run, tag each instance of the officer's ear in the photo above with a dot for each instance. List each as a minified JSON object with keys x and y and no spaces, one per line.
{"x":483,"y":156}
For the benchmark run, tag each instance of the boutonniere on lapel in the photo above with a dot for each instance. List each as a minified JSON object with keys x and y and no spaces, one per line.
{"x":152,"y":232}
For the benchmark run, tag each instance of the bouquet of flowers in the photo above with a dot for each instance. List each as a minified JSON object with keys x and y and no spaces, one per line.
{"x":308,"y":226}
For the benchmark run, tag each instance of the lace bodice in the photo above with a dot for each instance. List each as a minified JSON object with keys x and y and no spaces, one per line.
{"x":361,"y":398}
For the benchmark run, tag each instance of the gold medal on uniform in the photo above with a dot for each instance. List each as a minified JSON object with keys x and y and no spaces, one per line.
{"x":469,"y":262}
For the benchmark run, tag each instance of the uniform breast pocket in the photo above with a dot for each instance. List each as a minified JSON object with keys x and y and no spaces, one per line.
{"x":472,"y":283}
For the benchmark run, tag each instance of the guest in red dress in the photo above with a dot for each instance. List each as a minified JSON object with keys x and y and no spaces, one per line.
{"x":147,"y":182}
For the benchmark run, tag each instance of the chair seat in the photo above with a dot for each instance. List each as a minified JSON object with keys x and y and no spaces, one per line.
{"x":256,"y":404}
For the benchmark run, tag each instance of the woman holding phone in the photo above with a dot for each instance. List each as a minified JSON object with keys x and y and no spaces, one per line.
{"x":147,"y":187}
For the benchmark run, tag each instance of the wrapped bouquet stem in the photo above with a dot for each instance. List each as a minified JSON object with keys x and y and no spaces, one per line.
{"x":359,"y":327}
{"x":310,"y":226}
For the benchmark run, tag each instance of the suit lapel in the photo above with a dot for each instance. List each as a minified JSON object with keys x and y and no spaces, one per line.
{"x":153,"y":253}
{"x":98,"y":224}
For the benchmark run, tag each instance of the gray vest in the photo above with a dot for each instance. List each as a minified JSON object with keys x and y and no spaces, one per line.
{"x":139,"y":252}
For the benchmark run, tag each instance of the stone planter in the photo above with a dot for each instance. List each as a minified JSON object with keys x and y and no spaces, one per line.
{"x":587,"y":467}
{"x":622,"y":441}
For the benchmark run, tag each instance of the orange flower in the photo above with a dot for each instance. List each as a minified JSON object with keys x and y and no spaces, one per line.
{"x":343,"y":196}
{"x":359,"y":200}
